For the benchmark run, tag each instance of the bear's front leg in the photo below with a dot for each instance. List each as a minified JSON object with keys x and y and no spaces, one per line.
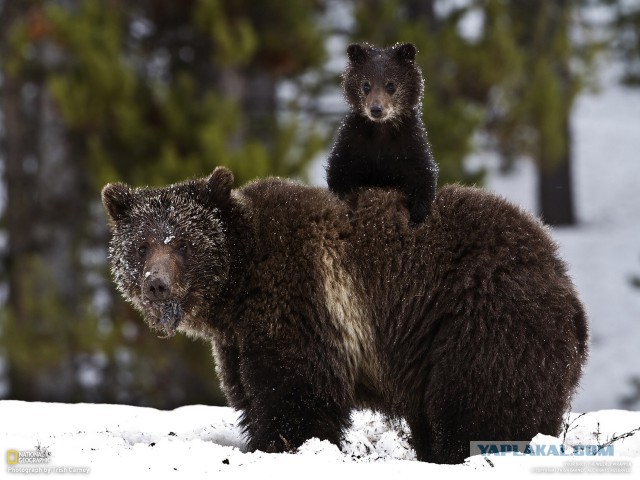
{"x":227,"y":359}
{"x":420,"y":190}
{"x":293,"y":398}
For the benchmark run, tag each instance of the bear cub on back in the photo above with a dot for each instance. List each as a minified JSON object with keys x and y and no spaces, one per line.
{"x":382,"y":141}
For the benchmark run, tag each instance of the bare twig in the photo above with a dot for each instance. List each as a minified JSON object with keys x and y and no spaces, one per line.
{"x":615,"y":437}
{"x":568,"y":426}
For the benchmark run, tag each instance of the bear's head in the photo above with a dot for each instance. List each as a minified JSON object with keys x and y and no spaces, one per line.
{"x":168,"y":250}
{"x":383,"y":84}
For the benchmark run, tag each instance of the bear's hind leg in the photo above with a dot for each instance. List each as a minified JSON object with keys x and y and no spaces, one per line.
{"x":421,"y":438}
{"x":435,"y":442}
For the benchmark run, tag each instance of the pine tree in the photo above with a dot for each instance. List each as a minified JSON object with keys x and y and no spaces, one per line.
{"x":626,"y":38}
{"x":535,"y":108}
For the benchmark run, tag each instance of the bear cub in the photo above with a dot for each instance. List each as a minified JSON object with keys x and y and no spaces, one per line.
{"x":382,"y":141}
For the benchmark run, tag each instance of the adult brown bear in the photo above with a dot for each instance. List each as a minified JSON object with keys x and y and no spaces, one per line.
{"x":466,"y":325}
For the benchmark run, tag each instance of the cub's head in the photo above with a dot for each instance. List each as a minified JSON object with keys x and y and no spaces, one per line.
{"x":383,"y":84}
{"x":168,"y":250}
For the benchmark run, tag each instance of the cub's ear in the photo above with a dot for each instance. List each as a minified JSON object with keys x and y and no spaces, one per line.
{"x":217,"y":187}
{"x":117,"y":198}
{"x":406,"y":51}
{"x":357,"y":53}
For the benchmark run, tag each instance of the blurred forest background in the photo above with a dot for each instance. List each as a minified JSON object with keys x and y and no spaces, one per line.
{"x":154,"y":91}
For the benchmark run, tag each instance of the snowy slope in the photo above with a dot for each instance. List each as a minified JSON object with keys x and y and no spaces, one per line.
{"x":198,"y":442}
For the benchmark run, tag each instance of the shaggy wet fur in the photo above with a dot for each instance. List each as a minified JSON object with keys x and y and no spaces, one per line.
{"x":466,"y":325}
{"x":382,"y":141}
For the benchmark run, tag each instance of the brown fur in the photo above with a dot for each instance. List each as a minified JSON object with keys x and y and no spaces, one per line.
{"x":467,"y":325}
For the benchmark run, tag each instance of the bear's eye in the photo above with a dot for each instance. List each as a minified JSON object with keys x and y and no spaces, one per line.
{"x":390,"y":87}
{"x":183,"y":249}
{"x":143,"y":249}
{"x":366,"y":87}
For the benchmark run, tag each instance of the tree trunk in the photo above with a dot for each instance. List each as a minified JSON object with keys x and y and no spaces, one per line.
{"x":555,"y":188}
{"x":259,"y":105}
{"x":424,"y":10}
{"x":47,"y":201}
{"x":20,"y":177}
{"x":18,"y":186}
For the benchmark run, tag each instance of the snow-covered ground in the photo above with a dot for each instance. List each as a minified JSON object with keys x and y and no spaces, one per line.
{"x":111,"y":441}
{"x":603,"y":251}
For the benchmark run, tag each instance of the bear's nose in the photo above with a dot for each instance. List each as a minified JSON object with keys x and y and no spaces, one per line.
{"x":156,"y":288}
{"x":376,"y":111}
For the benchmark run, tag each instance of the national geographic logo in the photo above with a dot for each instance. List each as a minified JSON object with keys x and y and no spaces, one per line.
{"x":12,"y":457}
{"x":38,"y":461}
{"x":38,"y":456}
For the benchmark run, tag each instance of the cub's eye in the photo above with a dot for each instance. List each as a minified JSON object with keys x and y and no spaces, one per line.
{"x":390,"y":87}
{"x":143,"y":249}
{"x":366,"y":87}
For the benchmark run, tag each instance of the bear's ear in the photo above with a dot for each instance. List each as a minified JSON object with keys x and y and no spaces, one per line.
{"x":406,"y":51}
{"x":218,"y":186}
{"x":357,"y":53}
{"x":117,"y":199}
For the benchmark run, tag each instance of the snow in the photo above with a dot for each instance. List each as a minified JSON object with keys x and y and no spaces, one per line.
{"x":200,"y":441}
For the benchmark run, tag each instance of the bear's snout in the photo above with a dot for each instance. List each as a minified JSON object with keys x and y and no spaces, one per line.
{"x":162,"y":275}
{"x":157,"y":287}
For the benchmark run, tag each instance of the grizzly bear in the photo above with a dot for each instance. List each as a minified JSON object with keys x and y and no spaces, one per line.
{"x":466,"y":325}
{"x":382,"y":141}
